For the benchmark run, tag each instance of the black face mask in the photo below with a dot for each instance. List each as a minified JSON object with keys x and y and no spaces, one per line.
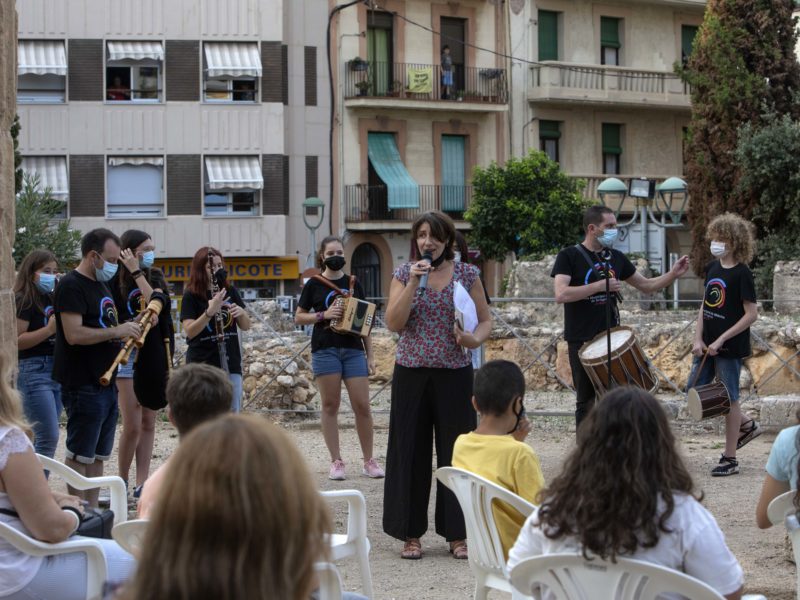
{"x":335,"y":263}
{"x":520,"y":414}
{"x":220,"y":276}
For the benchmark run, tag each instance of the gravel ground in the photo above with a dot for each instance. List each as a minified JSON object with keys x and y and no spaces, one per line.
{"x":438,"y":576}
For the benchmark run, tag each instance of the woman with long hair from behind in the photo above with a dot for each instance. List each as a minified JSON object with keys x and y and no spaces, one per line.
{"x":624,"y":491}
{"x":238,"y":517}
{"x":36,"y":337}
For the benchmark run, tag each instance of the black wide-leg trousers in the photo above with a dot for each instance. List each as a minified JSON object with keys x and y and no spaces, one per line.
{"x":425,"y":403}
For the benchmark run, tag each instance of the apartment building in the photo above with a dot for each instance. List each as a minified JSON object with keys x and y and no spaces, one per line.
{"x":198,"y":121}
{"x":406,"y":141}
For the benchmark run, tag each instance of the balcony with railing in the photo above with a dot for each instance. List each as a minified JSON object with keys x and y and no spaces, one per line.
{"x":562,"y":83}
{"x":367,"y":206}
{"x":420,"y":86}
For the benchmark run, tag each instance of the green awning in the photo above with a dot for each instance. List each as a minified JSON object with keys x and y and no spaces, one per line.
{"x":385,"y":159}
{"x":611,"y":138}
{"x":609,"y":32}
{"x":549,"y":130}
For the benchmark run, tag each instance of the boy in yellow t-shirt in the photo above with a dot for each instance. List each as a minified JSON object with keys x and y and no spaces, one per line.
{"x":495,"y":450}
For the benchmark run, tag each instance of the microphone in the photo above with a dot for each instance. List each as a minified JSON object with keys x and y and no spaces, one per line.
{"x":423,"y":281}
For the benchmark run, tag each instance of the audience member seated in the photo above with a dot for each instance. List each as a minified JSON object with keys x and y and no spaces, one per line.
{"x":196,"y":393}
{"x":238,"y":517}
{"x":624,"y":491}
{"x":496,"y":449}
{"x":43,"y":514}
{"x":782,"y":471}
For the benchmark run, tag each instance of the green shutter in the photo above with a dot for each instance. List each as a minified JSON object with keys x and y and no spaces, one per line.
{"x":611,"y":138}
{"x":609,"y":32}
{"x":378,"y":56}
{"x":548,"y":35}
{"x":453,"y":173}
{"x":687,"y":39}
{"x":549,"y":130}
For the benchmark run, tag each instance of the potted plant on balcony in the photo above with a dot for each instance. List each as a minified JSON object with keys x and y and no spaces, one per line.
{"x":395,"y":89}
{"x":459,"y":95}
{"x":362,"y":87}
{"x":358,"y":64}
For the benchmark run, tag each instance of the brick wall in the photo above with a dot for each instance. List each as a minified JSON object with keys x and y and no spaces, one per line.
{"x":85,"y":73}
{"x":182,"y":70}
{"x":87,"y":185}
{"x":184,"y":184}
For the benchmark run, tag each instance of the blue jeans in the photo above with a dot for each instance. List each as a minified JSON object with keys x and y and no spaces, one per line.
{"x":236,"y":382}
{"x":726,"y":370}
{"x":41,"y":401}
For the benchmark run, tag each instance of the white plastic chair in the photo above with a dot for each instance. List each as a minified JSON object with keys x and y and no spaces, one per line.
{"x":129,"y":535}
{"x":572,"y":577}
{"x":793,"y":528}
{"x":486,"y":558}
{"x":355,"y":541}
{"x":96,"y":572}
{"x":119,"y":495}
{"x":780,"y":507}
{"x":330,"y":584}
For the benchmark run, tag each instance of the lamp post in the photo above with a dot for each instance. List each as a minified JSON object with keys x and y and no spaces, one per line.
{"x":313,"y":215}
{"x":667,"y":200}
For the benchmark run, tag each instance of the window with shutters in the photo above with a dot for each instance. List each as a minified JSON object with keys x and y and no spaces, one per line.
{"x":549,"y":136}
{"x":232,"y":186}
{"x":612,"y":148}
{"x":548,"y":35}
{"x":135,"y":186}
{"x":41,"y":72}
{"x":133,"y":71}
{"x":688,"y":32}
{"x":454,"y":160}
{"x":610,"y":41}
{"x":231,"y":72}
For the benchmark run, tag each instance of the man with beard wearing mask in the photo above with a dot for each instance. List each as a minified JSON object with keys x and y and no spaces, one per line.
{"x":87,"y":340}
{"x":336,"y":357}
{"x":580,"y":285}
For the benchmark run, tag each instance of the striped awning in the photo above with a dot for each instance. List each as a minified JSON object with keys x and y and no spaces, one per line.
{"x":41,"y":57}
{"x":136,"y":161}
{"x":233,"y":173}
{"x":388,"y":164}
{"x":232,"y":60}
{"x":135,"y":51}
{"x":52,"y":171}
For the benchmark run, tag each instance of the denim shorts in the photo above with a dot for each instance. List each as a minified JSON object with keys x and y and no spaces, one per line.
{"x":126,"y":371}
{"x":348,"y":362}
{"x":91,"y":421}
{"x":726,"y":370}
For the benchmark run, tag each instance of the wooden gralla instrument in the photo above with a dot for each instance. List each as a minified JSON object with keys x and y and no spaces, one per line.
{"x":359,"y":315}
{"x":153,"y":309}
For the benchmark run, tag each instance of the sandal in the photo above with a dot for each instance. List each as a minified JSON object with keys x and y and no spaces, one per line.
{"x":459,"y":549}
{"x":412,"y":550}
{"x":749,"y":432}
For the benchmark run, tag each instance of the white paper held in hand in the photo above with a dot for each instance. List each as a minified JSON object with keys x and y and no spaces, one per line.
{"x":465,"y":305}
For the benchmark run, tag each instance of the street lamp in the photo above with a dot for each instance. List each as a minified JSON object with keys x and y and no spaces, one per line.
{"x":313,"y":215}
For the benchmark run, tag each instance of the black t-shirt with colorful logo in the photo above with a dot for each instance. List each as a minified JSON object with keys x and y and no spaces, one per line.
{"x":203,"y":347}
{"x":586,"y":318}
{"x":37,"y":319}
{"x":81,"y":365}
{"x":318,"y":297}
{"x":726,"y":291}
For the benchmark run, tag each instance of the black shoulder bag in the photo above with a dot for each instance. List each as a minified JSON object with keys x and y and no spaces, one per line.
{"x":94,"y":523}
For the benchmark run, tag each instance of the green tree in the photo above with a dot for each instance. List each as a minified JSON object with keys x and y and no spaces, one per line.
{"x":767,"y":158}
{"x":528,"y":207}
{"x":39,"y":226}
{"x":742,"y":63}
{"x":15,"y":127}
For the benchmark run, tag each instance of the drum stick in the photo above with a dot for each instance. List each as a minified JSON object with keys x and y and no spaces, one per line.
{"x":699,"y":370}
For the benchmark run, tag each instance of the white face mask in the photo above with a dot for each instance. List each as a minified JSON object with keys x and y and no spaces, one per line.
{"x":717,"y":249}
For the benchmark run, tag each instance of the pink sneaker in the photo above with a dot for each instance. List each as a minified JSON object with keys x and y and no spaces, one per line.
{"x":372,"y":469}
{"x":337,"y":470}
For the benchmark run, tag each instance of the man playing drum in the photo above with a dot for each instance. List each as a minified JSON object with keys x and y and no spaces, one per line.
{"x":580,"y":285}
{"x":723,"y":327}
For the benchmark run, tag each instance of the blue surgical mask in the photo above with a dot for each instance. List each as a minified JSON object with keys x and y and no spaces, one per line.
{"x":147,"y":260}
{"x":107,"y":272}
{"x":608,"y":238}
{"x":46,"y":282}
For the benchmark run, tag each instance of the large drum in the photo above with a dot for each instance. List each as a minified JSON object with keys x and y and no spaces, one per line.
{"x":710,"y":400}
{"x":628,"y":363}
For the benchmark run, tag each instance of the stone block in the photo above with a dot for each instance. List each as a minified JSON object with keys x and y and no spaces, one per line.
{"x":778,"y":412}
{"x":786,"y":286}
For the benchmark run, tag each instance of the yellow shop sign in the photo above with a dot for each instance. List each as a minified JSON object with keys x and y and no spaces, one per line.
{"x":281,"y":267}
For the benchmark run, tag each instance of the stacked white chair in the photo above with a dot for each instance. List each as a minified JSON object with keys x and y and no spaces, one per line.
{"x":354,"y":542}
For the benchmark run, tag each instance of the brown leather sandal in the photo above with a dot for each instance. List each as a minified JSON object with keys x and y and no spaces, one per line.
{"x":459,"y":550}
{"x":412,"y":550}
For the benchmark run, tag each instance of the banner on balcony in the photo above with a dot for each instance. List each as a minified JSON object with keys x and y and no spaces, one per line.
{"x":420,"y":80}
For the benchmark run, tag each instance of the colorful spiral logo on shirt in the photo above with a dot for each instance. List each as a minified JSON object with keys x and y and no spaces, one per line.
{"x":332,"y":296}
{"x":715,"y":293}
{"x":135,"y":302}
{"x":601,"y":273}
{"x":49,"y":311}
{"x":227,"y":319}
{"x":108,"y":313}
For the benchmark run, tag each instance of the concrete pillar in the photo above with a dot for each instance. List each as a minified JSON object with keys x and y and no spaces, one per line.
{"x":8,"y":107}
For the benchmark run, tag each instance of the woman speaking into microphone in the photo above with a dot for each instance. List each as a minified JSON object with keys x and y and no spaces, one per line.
{"x":431,"y":385}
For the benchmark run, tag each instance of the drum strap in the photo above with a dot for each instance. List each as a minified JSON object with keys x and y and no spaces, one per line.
{"x":585,"y":254}
{"x":333,"y":286}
